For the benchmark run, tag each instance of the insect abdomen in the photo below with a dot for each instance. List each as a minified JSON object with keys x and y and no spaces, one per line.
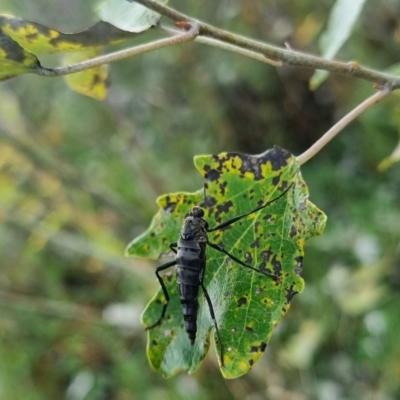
{"x":189,"y":276}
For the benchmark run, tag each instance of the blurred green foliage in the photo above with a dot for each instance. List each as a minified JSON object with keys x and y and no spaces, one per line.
{"x":78,"y":180}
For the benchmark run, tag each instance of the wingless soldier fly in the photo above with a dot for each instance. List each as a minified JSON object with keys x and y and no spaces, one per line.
{"x":190,"y":259}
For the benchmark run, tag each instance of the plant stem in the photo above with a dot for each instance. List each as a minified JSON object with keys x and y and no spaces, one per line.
{"x":286,"y":56}
{"x":328,"y":136}
{"x":120,"y":55}
{"x":227,"y":46}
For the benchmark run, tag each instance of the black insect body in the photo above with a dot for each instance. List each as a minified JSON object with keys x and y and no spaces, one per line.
{"x":190,"y":260}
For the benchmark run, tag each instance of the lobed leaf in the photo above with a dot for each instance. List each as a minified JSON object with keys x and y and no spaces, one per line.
{"x":248,"y":304}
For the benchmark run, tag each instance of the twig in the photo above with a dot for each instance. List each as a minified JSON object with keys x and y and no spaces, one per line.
{"x":328,"y":136}
{"x":287,"y":57}
{"x":229,"y":47}
{"x":120,"y":55}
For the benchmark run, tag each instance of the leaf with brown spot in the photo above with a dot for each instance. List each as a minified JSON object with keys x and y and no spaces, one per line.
{"x":247,"y":316}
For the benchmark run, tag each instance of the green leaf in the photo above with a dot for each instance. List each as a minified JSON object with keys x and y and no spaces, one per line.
{"x":341,"y":21}
{"x":14,"y":60}
{"x":248,"y":305}
{"x":131,"y":17}
{"x":92,"y":82}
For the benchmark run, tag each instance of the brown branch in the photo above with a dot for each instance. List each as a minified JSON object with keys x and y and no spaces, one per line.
{"x":286,"y":56}
{"x":351,"y":116}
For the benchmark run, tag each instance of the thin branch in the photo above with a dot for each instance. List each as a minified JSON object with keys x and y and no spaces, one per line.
{"x":286,"y":56}
{"x":120,"y":55}
{"x":352,"y":115}
{"x":227,"y":46}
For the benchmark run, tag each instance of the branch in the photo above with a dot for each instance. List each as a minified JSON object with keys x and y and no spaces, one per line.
{"x":227,"y":46}
{"x":328,"y":136}
{"x":120,"y":55}
{"x":287,"y":57}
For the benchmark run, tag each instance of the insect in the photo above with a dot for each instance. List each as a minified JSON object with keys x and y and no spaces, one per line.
{"x":190,"y":259}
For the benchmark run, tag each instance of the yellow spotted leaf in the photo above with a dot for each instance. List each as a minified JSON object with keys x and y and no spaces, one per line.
{"x":14,"y":60}
{"x":91,"y":82}
{"x":40,"y":39}
{"x":251,"y":296}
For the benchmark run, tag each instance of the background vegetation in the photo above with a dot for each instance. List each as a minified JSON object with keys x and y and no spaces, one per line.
{"x":78,"y":180}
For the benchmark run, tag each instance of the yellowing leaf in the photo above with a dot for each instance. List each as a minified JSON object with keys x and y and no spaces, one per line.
{"x":91,"y":82}
{"x":248,"y":304}
{"x":40,"y":39}
{"x":14,"y":60}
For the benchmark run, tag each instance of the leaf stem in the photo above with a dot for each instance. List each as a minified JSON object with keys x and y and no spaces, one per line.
{"x":352,"y":115}
{"x":285,"y":56}
{"x":188,"y":36}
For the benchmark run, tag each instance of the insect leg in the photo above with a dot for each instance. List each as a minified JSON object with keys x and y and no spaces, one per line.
{"x":173,"y":246}
{"x":164,"y":289}
{"x":210,"y":307}
{"x":221,"y":249}
{"x":234,"y":219}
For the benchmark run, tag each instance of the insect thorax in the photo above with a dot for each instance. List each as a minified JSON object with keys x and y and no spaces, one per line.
{"x":194,"y":226}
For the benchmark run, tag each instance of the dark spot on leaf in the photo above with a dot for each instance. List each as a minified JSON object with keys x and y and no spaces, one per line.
{"x":249,"y":329}
{"x":223,"y":208}
{"x":275,"y":180}
{"x":152,"y":234}
{"x":253,"y":349}
{"x":212,"y":175}
{"x":223,"y":188}
{"x":169,"y":205}
{"x":242,"y":301}
{"x":209,"y":201}
{"x":263,"y":346}
{"x":259,"y":290}
{"x":255,"y":244}
{"x":277,"y":157}
{"x":251,"y":362}
{"x":269,"y":218}
{"x":290,"y":293}
{"x":277,"y":266}
{"x":154,"y":342}
{"x":293,"y":231}
{"x":299,"y":265}
{"x":249,"y":258}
